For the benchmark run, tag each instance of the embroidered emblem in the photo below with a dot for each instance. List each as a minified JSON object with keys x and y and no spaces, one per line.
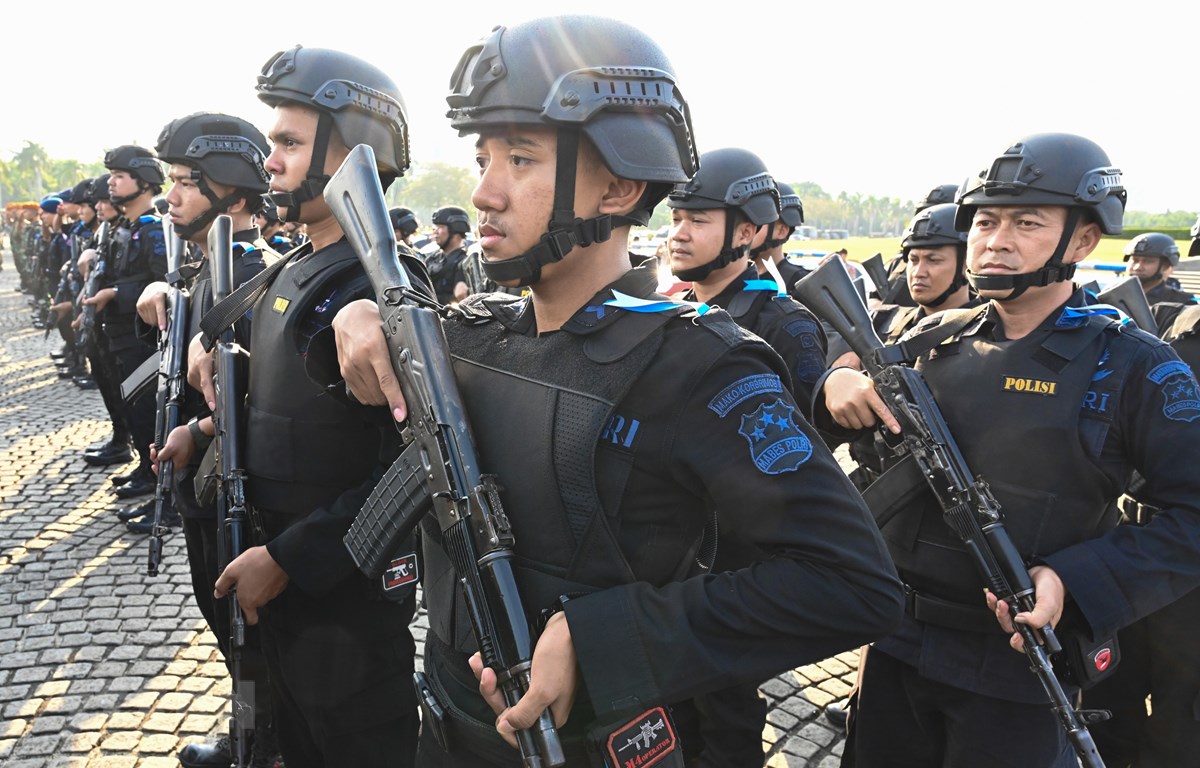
{"x":401,"y":571}
{"x":281,"y":304}
{"x":642,"y":742}
{"x":1096,"y":401}
{"x":743,"y":389}
{"x":1030,"y":386}
{"x":811,"y":363}
{"x":776,"y":444}
{"x":620,"y":431}
{"x":1181,"y":396}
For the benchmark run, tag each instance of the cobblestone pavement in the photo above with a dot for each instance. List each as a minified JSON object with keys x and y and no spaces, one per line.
{"x":102,"y":666}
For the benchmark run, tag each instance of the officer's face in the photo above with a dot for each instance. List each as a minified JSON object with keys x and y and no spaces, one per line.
{"x":106,"y":210}
{"x":185,"y":200}
{"x":930,"y":271}
{"x":696,"y":236}
{"x":68,"y":210}
{"x":292,"y":139}
{"x":1147,"y":267}
{"x":515,"y":193}
{"x":122,"y":184}
{"x":441,"y":234}
{"x":1013,"y":240}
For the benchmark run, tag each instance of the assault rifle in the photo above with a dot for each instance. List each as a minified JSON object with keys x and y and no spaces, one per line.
{"x":87,"y":323}
{"x":1128,"y":296}
{"x":172,"y":349}
{"x":966,"y":500}
{"x":876,"y":270}
{"x":231,"y":498}
{"x":439,"y":469}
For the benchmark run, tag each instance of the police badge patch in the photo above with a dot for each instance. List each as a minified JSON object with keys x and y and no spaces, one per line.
{"x":1181,"y":396}
{"x":776,"y":444}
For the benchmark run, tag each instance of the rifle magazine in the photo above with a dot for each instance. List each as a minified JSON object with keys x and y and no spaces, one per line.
{"x":390,"y":513}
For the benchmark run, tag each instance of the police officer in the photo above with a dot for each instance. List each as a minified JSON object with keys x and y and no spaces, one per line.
{"x":446,"y":266}
{"x":767,"y":247}
{"x":404,"y":223}
{"x":1152,"y":258}
{"x":714,"y":218}
{"x":1054,"y":405}
{"x":338,"y":646}
{"x":216,"y":167}
{"x":667,"y":390}
{"x":896,"y":291}
{"x":100,"y":362}
{"x":136,"y":256}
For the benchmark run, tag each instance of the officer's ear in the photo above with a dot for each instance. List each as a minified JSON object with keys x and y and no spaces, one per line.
{"x":621,"y":196}
{"x":1084,"y":241}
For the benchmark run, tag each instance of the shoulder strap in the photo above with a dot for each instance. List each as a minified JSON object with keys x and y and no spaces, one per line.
{"x":951,"y":324}
{"x":226,"y":312}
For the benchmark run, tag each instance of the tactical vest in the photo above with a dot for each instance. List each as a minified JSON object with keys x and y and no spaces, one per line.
{"x":304,"y":447}
{"x":537,"y":429}
{"x":1030,"y":416}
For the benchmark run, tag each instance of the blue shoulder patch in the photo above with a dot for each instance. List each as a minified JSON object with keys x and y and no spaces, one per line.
{"x":1181,"y":396}
{"x":776,"y":444}
{"x":744,"y":389}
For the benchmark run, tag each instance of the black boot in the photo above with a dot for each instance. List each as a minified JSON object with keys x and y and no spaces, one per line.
{"x":106,"y":457}
{"x":140,"y":484}
{"x":170,"y":519}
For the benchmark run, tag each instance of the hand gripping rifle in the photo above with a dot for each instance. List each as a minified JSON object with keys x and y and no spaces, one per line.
{"x":172,"y":349}
{"x":966,"y":501}
{"x":231,"y":498}
{"x":439,"y":468}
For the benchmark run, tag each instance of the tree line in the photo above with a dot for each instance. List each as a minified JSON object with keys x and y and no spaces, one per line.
{"x":31,"y":174}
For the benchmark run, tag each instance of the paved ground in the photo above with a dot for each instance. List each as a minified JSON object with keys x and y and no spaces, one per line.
{"x":100,"y":665}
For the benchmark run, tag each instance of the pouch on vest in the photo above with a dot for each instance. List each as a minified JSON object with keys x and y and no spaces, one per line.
{"x":1088,"y":661}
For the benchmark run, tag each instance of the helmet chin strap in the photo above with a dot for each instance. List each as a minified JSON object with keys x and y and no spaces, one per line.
{"x":727,"y":256}
{"x":217,"y":205}
{"x":315,"y":179}
{"x":769,"y":243}
{"x":960,"y":279}
{"x":1054,"y":271}
{"x":142,"y":187}
{"x":566,"y":231}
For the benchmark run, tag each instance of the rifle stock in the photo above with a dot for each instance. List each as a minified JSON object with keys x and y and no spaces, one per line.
{"x":876,"y":270}
{"x":465,"y":501}
{"x":966,"y":501}
{"x":231,"y":499}
{"x":1128,"y":296}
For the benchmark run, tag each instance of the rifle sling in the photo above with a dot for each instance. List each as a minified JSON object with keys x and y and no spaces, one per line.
{"x":227,"y":311}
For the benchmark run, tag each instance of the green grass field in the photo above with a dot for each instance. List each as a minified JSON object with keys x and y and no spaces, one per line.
{"x":1111,"y":249}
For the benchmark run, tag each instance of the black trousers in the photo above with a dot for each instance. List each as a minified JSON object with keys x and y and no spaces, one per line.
{"x":1157,"y":660}
{"x":201,"y":536}
{"x":904,"y":720}
{"x":341,"y":671}
{"x":104,"y":373}
{"x":127,"y":355}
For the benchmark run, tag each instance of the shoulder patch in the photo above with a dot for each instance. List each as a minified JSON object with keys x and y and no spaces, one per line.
{"x":744,"y":389}
{"x":1181,"y":396}
{"x":776,"y":443}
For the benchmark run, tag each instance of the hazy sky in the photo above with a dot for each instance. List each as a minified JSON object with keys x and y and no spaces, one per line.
{"x":882,"y":98}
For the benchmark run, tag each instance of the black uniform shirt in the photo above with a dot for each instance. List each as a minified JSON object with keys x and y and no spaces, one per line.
{"x":722,"y":432}
{"x":1112,"y":579}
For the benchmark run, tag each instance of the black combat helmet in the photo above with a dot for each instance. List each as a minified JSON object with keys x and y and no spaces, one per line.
{"x":933,"y":227}
{"x":403,"y":220}
{"x":1153,"y":244}
{"x":456,"y":219}
{"x":939,"y":195}
{"x":138,"y":162}
{"x":79,"y":193}
{"x":581,"y":75}
{"x":1046,"y":169}
{"x":791,"y":208}
{"x":357,"y":98}
{"x":98,"y":189}
{"x":734,"y":180}
{"x":222,"y":149}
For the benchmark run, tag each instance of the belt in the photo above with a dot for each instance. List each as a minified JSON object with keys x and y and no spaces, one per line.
{"x":945,"y":613}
